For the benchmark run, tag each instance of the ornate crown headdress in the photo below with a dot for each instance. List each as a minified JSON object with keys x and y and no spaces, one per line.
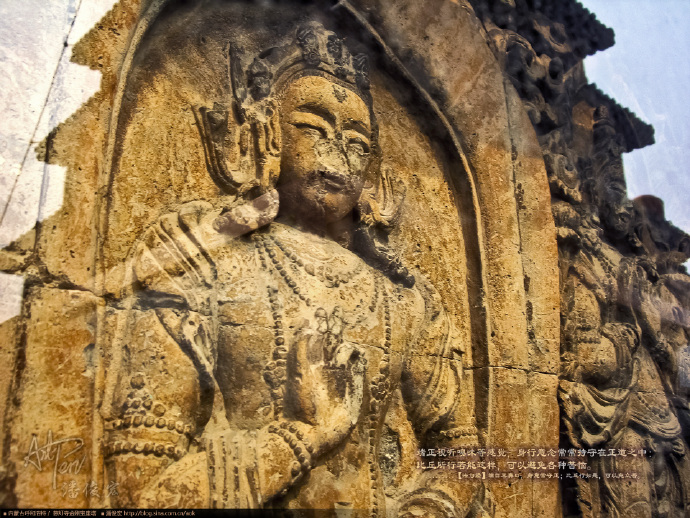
{"x":314,"y":50}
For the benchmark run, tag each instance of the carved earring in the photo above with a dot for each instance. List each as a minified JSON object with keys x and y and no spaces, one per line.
{"x":268,"y":146}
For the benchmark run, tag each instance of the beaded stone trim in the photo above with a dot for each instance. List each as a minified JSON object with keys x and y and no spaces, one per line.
{"x":150,"y":421}
{"x":301,"y":448}
{"x":145,"y":448}
{"x":455,"y":433}
{"x":379,"y":389}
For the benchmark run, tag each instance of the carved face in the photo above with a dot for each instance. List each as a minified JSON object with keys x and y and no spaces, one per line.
{"x":616,"y":209}
{"x":326,"y":131}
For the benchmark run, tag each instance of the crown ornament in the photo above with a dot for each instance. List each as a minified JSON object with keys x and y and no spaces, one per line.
{"x":248,"y":181}
{"x":314,"y":50}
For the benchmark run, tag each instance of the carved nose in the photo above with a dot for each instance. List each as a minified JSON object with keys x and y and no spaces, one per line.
{"x":334,"y":156}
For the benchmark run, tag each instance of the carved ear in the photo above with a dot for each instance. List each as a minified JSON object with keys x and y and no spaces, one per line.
{"x":381,"y":203}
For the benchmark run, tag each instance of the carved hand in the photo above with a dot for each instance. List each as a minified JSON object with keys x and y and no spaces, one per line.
{"x":325,"y":380}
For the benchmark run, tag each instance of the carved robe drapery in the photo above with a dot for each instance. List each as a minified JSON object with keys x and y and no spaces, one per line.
{"x":213,"y":325}
{"x":613,"y":399}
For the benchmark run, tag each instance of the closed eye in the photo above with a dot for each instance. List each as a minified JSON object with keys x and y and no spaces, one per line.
{"x":311,"y":129}
{"x":363,"y":147}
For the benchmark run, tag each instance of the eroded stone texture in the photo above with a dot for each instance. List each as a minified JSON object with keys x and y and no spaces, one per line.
{"x":51,"y":408}
{"x":301,"y":244}
{"x":624,"y":327}
{"x":298,"y":345}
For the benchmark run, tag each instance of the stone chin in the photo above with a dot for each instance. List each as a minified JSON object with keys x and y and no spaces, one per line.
{"x":321,"y":195}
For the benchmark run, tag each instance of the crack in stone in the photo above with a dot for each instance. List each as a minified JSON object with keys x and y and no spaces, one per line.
{"x":38,"y":121}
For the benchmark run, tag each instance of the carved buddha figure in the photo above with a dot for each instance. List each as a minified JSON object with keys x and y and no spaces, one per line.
{"x":268,"y":350}
{"x":614,"y":395}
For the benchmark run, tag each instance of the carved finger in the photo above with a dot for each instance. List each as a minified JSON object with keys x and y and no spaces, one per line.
{"x":217,"y":128}
{"x":300,"y":383}
{"x":297,"y":355}
{"x":164,"y":259}
{"x":245,"y":140}
{"x":190,"y":216}
{"x":321,"y":321}
{"x":169,"y":261}
{"x":354,"y":364}
{"x":335,"y":323}
{"x":259,"y":134}
{"x":335,"y":334}
{"x":273,"y":130}
{"x":184,"y":249}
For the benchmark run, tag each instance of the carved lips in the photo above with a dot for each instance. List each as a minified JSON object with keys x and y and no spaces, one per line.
{"x":336,"y":182}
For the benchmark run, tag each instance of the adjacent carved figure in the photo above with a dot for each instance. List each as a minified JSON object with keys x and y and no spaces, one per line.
{"x":624,"y":292}
{"x":618,"y":361}
{"x":273,"y":343}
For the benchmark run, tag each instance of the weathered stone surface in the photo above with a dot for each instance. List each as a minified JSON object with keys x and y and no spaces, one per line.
{"x":9,"y":334}
{"x":50,"y":445}
{"x":304,"y":249}
{"x":544,"y":422}
{"x":623,"y":292}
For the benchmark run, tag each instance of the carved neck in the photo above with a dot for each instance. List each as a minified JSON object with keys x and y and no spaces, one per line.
{"x":340,"y":231}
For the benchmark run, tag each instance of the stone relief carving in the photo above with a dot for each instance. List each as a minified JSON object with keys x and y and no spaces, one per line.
{"x":268,"y":342}
{"x":278,"y":317}
{"x":624,"y":309}
{"x":616,"y":357}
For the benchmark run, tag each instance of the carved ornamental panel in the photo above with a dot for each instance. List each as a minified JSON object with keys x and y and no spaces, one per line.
{"x":303,"y":246}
